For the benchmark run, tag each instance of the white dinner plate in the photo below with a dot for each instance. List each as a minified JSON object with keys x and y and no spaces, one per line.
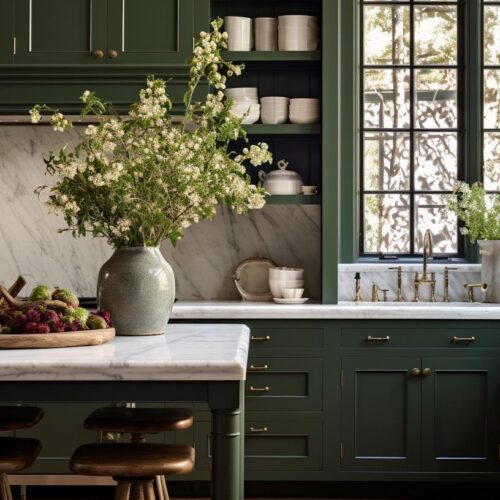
{"x":302,"y":300}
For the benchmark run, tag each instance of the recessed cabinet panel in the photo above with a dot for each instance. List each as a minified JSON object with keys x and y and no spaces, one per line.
{"x":284,"y":384}
{"x":59,"y":31}
{"x":380,"y":414}
{"x":459,"y":415}
{"x":150,"y":31}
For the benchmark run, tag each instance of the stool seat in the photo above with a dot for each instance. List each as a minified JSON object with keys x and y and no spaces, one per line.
{"x":17,"y":453}
{"x":139,"y":420}
{"x":132,"y":460}
{"x":13,"y":418}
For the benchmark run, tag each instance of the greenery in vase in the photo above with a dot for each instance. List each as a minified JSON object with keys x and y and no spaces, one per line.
{"x":478,"y":210}
{"x":138,"y":179}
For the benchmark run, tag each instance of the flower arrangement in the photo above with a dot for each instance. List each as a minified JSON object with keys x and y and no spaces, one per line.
{"x":140,"y":178}
{"x":479,"y":211}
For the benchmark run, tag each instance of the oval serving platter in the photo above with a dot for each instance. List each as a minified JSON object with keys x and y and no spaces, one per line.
{"x":55,"y":340}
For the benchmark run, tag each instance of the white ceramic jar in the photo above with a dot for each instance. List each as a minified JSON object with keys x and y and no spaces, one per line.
{"x":281,"y":181}
{"x":240,"y":33}
{"x":266,"y":33}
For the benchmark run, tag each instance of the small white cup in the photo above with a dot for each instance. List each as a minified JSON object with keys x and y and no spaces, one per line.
{"x":293,"y":293}
{"x":239,"y":30}
{"x":309,"y":190}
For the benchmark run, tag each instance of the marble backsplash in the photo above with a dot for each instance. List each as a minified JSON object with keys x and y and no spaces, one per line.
{"x":381,"y":275}
{"x":203,"y":260}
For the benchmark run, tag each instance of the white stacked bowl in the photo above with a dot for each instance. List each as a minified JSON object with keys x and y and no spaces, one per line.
{"x":245,"y":104}
{"x":266,"y":33}
{"x":298,"y":33}
{"x":274,"y":109}
{"x":240,"y":32}
{"x":281,"y":278}
{"x":304,"y":110}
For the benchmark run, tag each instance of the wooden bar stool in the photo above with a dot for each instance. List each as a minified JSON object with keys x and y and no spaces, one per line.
{"x":133,"y":464}
{"x":138,"y":422}
{"x":13,"y":418}
{"x":16,"y":454}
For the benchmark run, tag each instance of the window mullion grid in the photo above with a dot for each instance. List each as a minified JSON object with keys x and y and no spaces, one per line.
{"x":413,"y":233}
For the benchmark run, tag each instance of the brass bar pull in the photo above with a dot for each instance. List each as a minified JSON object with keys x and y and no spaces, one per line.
{"x":463,"y":340}
{"x":260,"y":339}
{"x":378,"y":339}
{"x":259,"y":389}
{"x":426,"y":372}
{"x":258,"y":429}
{"x":415,"y":372}
{"x":259,"y":367}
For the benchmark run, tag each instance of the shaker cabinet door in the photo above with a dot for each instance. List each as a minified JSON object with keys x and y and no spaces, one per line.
{"x":150,"y":31}
{"x":460,"y":413}
{"x":380,"y":414}
{"x":60,"y":31}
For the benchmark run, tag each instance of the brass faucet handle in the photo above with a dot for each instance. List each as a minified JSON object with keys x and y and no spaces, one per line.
{"x":385,"y":291}
{"x":470,"y":287}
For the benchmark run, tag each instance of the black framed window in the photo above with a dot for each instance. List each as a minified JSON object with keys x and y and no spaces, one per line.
{"x":412,"y":124}
{"x":491,"y":96}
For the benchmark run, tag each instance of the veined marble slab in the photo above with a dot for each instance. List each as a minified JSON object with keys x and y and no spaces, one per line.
{"x":186,"y":352}
{"x":343,"y":310}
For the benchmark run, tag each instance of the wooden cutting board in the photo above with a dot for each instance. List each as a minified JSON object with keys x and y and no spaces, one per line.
{"x":53,"y":340}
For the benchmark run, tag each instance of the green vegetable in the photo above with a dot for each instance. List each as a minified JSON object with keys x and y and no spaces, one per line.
{"x":40,"y":292}
{"x":65,"y":296}
{"x":95,"y":322}
{"x":82,"y":315}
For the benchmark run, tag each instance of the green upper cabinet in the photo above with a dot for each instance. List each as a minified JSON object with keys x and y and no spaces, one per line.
{"x":150,"y":31}
{"x":97,"y":32}
{"x":60,"y":31}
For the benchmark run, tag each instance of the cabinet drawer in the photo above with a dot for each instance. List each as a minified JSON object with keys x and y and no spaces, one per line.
{"x":277,"y":446}
{"x":284,"y":384}
{"x":460,"y":338}
{"x":286,"y":338}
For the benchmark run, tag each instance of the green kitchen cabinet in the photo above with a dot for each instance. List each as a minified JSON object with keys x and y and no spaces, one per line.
{"x":460,"y":412}
{"x":380,"y":414}
{"x":124,"y":32}
{"x":60,"y":32}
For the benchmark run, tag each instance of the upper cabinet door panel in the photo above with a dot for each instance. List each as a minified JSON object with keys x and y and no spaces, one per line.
{"x":60,"y":31}
{"x":150,"y":31}
{"x":6,"y":31}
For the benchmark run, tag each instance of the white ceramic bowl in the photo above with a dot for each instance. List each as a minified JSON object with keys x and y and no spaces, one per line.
{"x":242,"y":92}
{"x":277,"y":288}
{"x":293,"y":293}
{"x":240,"y":33}
{"x":290,"y":272}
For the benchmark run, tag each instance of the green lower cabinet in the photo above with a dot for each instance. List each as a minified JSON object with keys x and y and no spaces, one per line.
{"x":460,"y":413}
{"x":272,"y":447}
{"x":380,"y":414}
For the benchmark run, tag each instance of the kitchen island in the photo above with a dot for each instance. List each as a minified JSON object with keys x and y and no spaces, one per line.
{"x":191,"y":363}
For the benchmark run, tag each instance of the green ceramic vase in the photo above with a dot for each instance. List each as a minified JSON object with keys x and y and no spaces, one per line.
{"x":137,"y":286}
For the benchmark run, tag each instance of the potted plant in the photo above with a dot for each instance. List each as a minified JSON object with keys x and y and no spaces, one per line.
{"x":140,"y":178}
{"x":480,"y":213}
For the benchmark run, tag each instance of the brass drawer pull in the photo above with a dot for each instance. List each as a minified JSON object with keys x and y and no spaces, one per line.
{"x":258,"y":429}
{"x":259,"y":389}
{"x":259,"y":367}
{"x":426,"y":372}
{"x":463,"y":340}
{"x":378,"y":339}
{"x":112,"y":54}
{"x":99,"y":53}
{"x":415,"y":372}
{"x":260,"y":339}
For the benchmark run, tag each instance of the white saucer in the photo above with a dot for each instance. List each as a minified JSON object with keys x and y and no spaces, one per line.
{"x":302,"y":300}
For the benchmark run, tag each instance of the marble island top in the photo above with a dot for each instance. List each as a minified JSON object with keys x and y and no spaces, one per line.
{"x":186,"y":352}
{"x":343,"y":310}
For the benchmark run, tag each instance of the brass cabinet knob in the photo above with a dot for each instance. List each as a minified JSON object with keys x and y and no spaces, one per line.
{"x":415,"y":372}
{"x":98,"y":53}
{"x":426,"y":372}
{"x":112,"y":54}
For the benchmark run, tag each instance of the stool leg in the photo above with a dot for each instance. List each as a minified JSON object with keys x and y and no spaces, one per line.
{"x":136,"y":492}
{"x":159,"y":489}
{"x":5,"y":492}
{"x":122,"y":490}
{"x":149,"y":491}
{"x":164,"y":487}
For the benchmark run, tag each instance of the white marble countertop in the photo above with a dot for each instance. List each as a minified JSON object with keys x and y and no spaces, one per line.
{"x":343,"y":310}
{"x":186,"y":352}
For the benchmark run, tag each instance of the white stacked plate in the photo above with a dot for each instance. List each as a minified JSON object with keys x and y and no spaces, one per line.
{"x":274,"y":109}
{"x":298,"y":33}
{"x":245,"y":104}
{"x":304,"y":110}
